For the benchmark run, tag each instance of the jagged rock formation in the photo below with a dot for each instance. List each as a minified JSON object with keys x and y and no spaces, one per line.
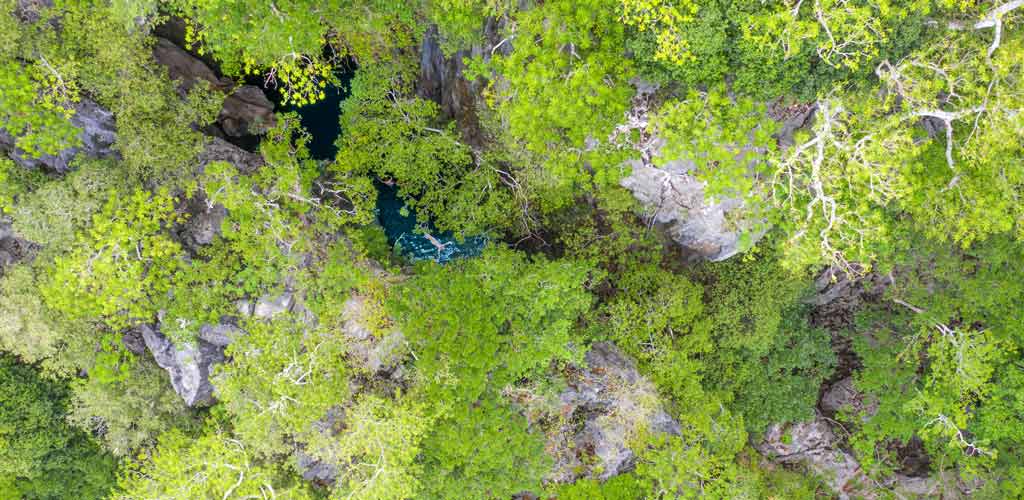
{"x":838,"y":295}
{"x":377,"y":356}
{"x":842,"y":396}
{"x":673,"y":197}
{"x":614,"y":403}
{"x":27,"y":11}
{"x":246,"y":109}
{"x":189,"y":366}
{"x":442,"y":79}
{"x":220,"y":150}
{"x":98,"y":134}
{"x":678,"y":205}
{"x":203,"y":224}
{"x":816,"y":446}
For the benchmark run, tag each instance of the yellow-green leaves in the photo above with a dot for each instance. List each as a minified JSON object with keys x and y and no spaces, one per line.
{"x":33,"y":111}
{"x":668,"y":19}
{"x":121,"y":266}
{"x":284,"y":376}
{"x":383,"y":442}
{"x":728,"y":138}
{"x":213,"y":466}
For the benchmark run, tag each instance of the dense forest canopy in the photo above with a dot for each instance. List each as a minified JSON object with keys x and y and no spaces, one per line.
{"x":734,"y":249}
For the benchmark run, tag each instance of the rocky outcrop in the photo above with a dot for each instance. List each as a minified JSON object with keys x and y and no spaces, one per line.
{"x":791,"y":118}
{"x":374,"y":354}
{"x":842,"y":396}
{"x":189,"y":366}
{"x":29,"y":11}
{"x":442,"y":78}
{"x":203,"y":224}
{"x":814,"y":445}
{"x":837,"y":298}
{"x":676,"y":200}
{"x":98,"y":133}
{"x":320,"y":471}
{"x":269,"y":306}
{"x":246,"y":109}
{"x":12,"y":248}
{"x":316,"y":471}
{"x":220,"y":150}
{"x":607,"y":403}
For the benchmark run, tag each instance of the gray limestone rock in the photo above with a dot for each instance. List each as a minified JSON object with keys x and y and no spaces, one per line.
{"x":246,"y":109}
{"x":189,"y":366}
{"x":221,"y":334}
{"x":843,"y":396}
{"x":268,"y":306}
{"x":98,"y":135}
{"x":220,"y":150}
{"x":443,"y":81}
{"x":372,"y":353}
{"x":613,"y":402}
{"x":814,"y":445}
{"x":203,"y":224}
{"x":12,"y":248}
{"x":315,"y":470}
{"x":677,"y":202}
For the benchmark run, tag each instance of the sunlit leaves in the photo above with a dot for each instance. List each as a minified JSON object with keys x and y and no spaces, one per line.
{"x":121,"y":266}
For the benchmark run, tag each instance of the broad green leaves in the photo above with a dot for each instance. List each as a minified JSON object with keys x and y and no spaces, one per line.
{"x":480,"y":324}
{"x":122,"y":266}
{"x":284,"y":376}
{"x":212,"y":466}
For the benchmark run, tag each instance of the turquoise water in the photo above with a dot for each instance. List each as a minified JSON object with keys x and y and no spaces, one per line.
{"x":400,"y":228}
{"x":321,"y":120}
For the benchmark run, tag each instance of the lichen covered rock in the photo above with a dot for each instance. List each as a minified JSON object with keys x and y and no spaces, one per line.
{"x":607,"y":403}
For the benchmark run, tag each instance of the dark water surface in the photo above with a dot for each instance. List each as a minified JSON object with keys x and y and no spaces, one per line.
{"x":400,"y":228}
{"x":321,"y":120}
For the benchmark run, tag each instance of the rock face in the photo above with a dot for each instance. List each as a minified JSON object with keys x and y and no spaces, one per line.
{"x":315,"y":470}
{"x":614,"y":403}
{"x":220,"y":150}
{"x":203,"y":224}
{"x":843,"y":396}
{"x":189,"y":367}
{"x":269,"y":306}
{"x":791,"y":118}
{"x":673,"y":197}
{"x":442,"y":80}
{"x":12,"y":248}
{"x":838,"y":297}
{"x":676,"y":199}
{"x":28,"y":11}
{"x":98,"y":134}
{"x":322,"y":472}
{"x":246,"y":109}
{"x":375,"y":355}
{"x":814,"y":445}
